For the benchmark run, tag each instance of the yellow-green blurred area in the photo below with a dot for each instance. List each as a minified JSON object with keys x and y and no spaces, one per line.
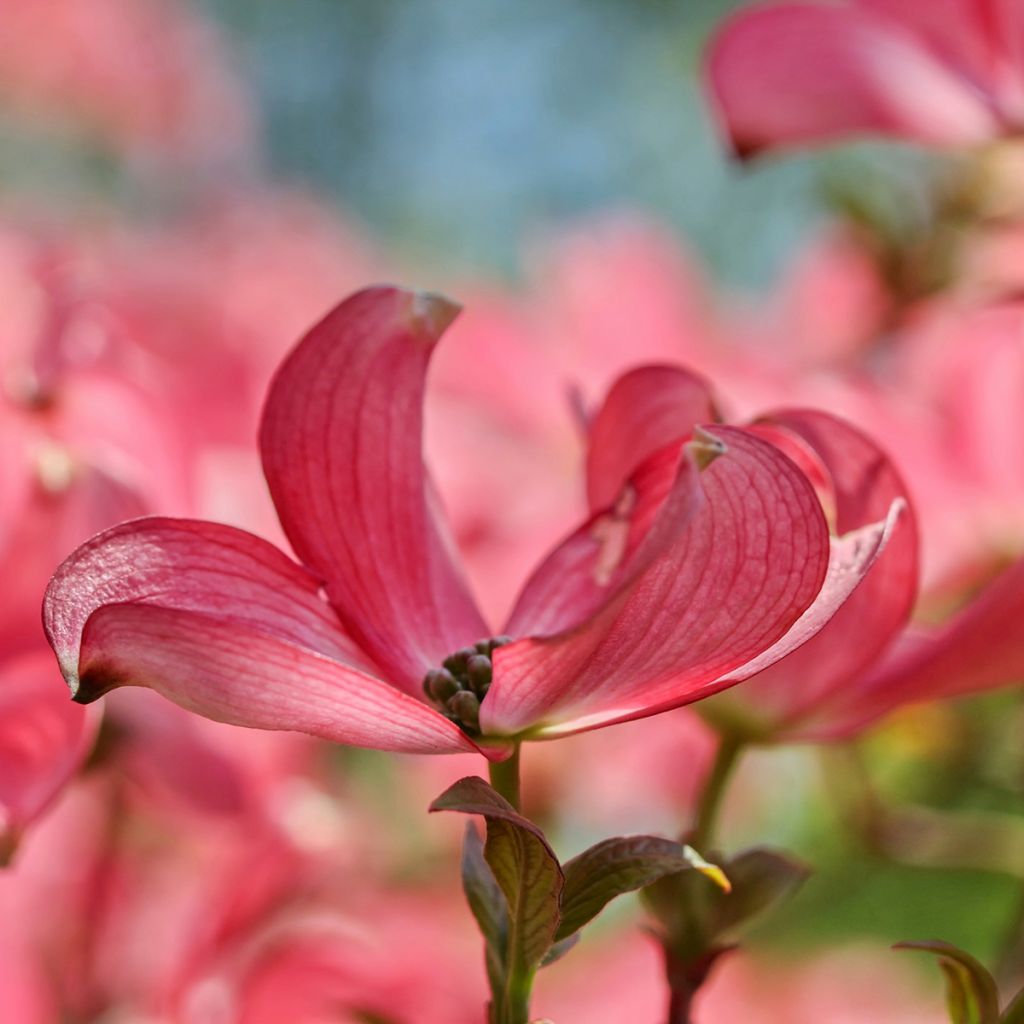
{"x":456,"y":131}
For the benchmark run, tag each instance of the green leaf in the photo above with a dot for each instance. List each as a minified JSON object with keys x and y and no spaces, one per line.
{"x":962,"y":1009}
{"x":760,"y":878}
{"x":971,"y":993}
{"x":487,"y":902}
{"x":524,"y":866}
{"x":696,"y":919}
{"x":1014,"y":1013}
{"x":559,"y":949}
{"x":614,"y":867}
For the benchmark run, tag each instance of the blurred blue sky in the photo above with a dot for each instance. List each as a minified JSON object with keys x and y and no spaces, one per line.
{"x":457,"y":126}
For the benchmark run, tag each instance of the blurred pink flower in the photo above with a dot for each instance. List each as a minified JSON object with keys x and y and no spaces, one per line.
{"x":705,"y":562}
{"x":81,"y":448}
{"x":167,"y":917}
{"x":42,"y":743}
{"x":802,"y":72}
{"x":333,"y":964}
{"x":147,"y":76}
{"x":198,"y":925}
{"x":621,"y":978}
{"x":116,"y":356}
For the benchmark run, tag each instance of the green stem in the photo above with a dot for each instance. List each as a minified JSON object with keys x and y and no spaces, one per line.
{"x":515,"y":1008}
{"x":730,"y":746}
{"x":505,"y":777}
{"x":511,"y":1005}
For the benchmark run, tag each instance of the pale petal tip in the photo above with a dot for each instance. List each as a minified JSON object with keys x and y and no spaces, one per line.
{"x":69,"y":670}
{"x":429,"y":314}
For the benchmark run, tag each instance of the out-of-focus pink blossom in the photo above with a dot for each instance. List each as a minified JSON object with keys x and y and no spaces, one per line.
{"x":794,"y":73}
{"x":80,"y":447}
{"x":147,"y":76}
{"x":695,"y":568}
{"x":130,"y":384}
{"x":968,"y":365}
{"x":28,"y":997}
{"x":331,"y":966}
{"x":42,"y":743}
{"x":848,"y":986}
{"x":168,"y":918}
{"x":622,"y":979}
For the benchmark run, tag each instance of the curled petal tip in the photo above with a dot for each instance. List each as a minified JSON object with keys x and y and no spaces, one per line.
{"x":430,"y":314}
{"x":704,"y":448}
{"x":69,"y":671}
{"x":81,"y":694}
{"x":90,"y":685}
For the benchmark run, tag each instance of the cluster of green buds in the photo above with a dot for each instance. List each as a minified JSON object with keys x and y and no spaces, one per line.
{"x":462,"y":682}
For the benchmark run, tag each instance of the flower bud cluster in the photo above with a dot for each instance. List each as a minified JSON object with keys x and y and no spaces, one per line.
{"x":462,"y":682}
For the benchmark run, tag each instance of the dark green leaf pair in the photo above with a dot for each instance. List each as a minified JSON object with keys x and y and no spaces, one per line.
{"x":529,"y":907}
{"x":972,"y":996}
{"x":621,"y":865}
{"x":696,"y":922}
{"x":513,"y":881}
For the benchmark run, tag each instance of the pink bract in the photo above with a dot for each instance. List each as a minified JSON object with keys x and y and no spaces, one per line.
{"x":706,"y":557}
{"x":866,"y":659}
{"x":940,"y":72}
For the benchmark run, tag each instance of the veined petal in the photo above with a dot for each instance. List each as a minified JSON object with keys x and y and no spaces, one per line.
{"x":633,"y":464}
{"x":195,"y":566}
{"x":342,"y":451}
{"x":980,"y":648}
{"x":796,"y":73}
{"x":734,"y":578}
{"x":850,"y":559}
{"x":864,"y":485}
{"x":237,"y":674}
{"x":604,"y":557}
{"x":645,"y":410}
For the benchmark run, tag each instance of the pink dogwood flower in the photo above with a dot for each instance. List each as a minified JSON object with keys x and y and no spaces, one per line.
{"x":939,"y":72}
{"x":699,"y":565}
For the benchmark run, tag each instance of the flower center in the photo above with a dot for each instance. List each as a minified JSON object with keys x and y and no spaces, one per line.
{"x":458,"y":687}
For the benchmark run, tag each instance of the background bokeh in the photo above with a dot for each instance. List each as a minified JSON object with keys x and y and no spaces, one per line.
{"x":460,"y":130}
{"x":460,"y":139}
